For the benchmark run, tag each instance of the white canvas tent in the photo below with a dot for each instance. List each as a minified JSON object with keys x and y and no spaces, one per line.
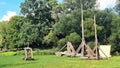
{"x":104,"y":51}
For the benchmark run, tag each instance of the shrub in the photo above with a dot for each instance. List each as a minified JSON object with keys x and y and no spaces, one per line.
{"x":8,"y":53}
{"x":91,"y":44}
{"x":44,"y":52}
{"x":39,"y":52}
{"x":20,"y":52}
{"x":74,"y":38}
{"x":61,"y":42}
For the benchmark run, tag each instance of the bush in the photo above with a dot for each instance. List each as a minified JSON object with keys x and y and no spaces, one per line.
{"x":74,"y":38}
{"x":91,"y":44}
{"x":8,"y":53}
{"x":50,"y":38}
{"x":39,"y":52}
{"x":61,"y":42}
{"x":20,"y":52}
{"x":44,"y":52}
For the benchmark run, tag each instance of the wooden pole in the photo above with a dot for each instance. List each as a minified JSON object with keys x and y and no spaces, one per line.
{"x":82,"y":45}
{"x":25,"y":54}
{"x":83,"y":39}
{"x":31,"y":52}
{"x":82,"y":24}
{"x":96,"y":40}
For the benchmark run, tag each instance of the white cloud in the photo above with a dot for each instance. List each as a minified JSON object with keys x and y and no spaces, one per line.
{"x":106,"y":3}
{"x":8,"y":16}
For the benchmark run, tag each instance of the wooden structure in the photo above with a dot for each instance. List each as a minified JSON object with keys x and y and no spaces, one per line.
{"x":70,"y":50}
{"x":86,"y":52}
{"x":28,"y":54}
{"x":83,"y":50}
{"x":99,"y":51}
{"x":83,"y":44}
{"x":96,"y":48}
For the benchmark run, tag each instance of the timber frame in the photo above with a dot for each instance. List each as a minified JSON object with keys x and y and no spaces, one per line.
{"x":84,"y":50}
{"x":28,"y":54}
{"x":83,"y":47}
{"x":70,"y":50}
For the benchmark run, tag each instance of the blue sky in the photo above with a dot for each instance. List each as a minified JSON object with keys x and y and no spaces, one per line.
{"x":10,"y":8}
{"x":9,"y":5}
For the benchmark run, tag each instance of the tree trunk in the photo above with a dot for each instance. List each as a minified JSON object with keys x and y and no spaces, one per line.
{"x":5,"y":47}
{"x":28,"y":44}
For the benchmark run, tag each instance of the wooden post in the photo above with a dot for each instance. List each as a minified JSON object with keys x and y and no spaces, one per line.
{"x":96,"y":40}
{"x":83,"y":44}
{"x":25,"y":54}
{"x":82,"y":23}
{"x":31,"y":53}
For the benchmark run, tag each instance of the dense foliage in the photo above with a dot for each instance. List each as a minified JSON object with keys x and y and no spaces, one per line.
{"x":49,"y":24}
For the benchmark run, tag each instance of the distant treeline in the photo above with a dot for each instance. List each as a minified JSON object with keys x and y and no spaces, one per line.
{"x":49,"y":24}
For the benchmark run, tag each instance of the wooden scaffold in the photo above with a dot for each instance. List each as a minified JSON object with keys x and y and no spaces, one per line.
{"x":70,"y":50}
{"x":28,"y":54}
{"x":97,"y":48}
{"x":83,"y":50}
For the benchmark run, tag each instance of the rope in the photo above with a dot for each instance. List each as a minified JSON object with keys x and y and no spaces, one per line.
{"x":62,"y":48}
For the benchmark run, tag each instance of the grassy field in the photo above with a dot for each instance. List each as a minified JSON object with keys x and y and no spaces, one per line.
{"x":51,"y":61}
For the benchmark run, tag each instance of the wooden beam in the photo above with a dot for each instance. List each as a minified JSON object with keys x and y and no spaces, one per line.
{"x":78,"y":49}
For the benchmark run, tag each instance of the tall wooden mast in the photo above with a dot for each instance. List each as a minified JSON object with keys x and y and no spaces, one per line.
{"x":83,"y":44}
{"x":96,"y":40}
{"x":85,"y":50}
{"x":82,"y":23}
{"x":83,"y":37}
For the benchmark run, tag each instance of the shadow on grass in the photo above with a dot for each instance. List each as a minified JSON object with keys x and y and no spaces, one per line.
{"x":17,"y":64}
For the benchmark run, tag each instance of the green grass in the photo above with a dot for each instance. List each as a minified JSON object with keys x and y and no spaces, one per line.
{"x":51,"y":61}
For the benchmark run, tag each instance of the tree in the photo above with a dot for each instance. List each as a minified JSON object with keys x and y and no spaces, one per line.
{"x":14,"y":29}
{"x":114,"y":38}
{"x":89,"y":29}
{"x":21,"y":32}
{"x":0,"y":41}
{"x":50,"y":39}
{"x":28,"y":33}
{"x":65,"y":21}
{"x":72,"y":5}
{"x":15,"y":24}
{"x":39,"y":12}
{"x":68,"y":24}
{"x":74,"y":38}
{"x":104,"y":19}
{"x":117,"y":6}
{"x":4,"y":34}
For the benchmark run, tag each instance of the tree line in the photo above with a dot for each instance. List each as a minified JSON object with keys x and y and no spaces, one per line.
{"x":49,"y":24}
